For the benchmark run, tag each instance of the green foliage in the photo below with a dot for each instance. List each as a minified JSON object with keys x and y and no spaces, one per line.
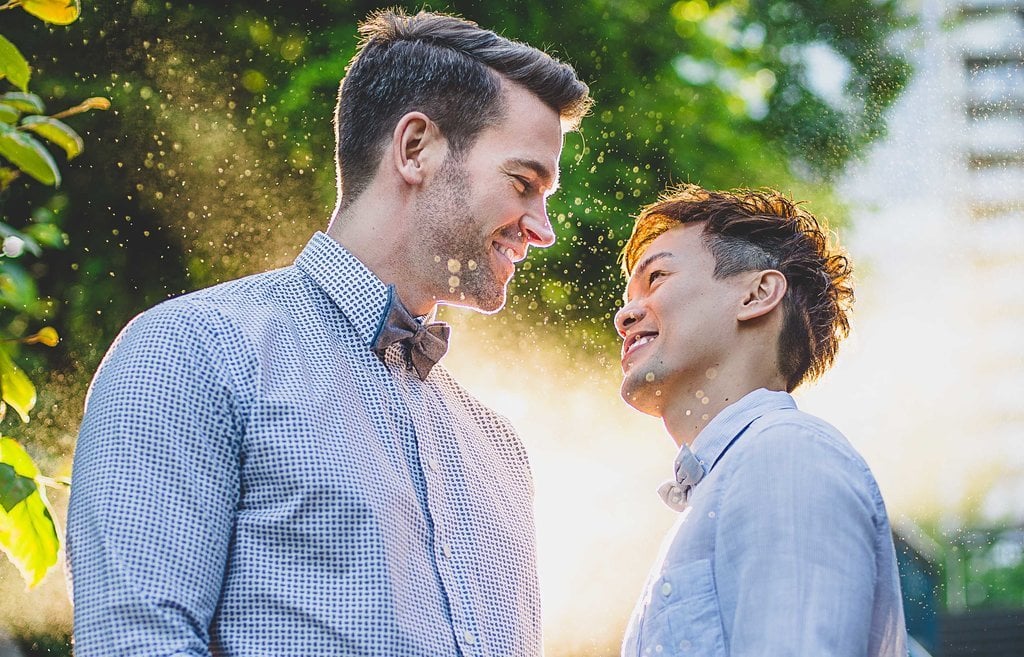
{"x":28,"y":155}
{"x":58,"y":12}
{"x":9,"y":114}
{"x":56,"y":132}
{"x":16,"y":388}
{"x":26,"y":152}
{"x":14,"y":488}
{"x":28,"y":534}
{"x":23,"y":102}
{"x":980,"y":563}
{"x":720,"y":93}
{"x":13,"y":65}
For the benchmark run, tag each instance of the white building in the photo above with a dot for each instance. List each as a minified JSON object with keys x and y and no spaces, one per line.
{"x":931,"y":386}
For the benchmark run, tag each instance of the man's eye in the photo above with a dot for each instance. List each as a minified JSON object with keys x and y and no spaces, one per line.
{"x":522,"y":185}
{"x":654,"y":275}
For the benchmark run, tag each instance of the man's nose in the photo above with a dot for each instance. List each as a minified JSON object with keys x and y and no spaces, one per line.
{"x":628,"y":315}
{"x":537,"y":227}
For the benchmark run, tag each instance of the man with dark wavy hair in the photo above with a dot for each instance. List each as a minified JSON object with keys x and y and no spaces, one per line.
{"x":783,"y":545}
{"x":275,"y":465}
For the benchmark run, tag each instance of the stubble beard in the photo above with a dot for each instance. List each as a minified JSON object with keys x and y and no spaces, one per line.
{"x":640,"y":393}
{"x":455,"y":238}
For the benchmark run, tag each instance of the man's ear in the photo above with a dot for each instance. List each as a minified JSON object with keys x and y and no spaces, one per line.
{"x":764,"y":293}
{"x":417,"y":146}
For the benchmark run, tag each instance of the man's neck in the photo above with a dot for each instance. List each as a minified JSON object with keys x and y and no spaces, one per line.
{"x":693,"y":405}
{"x":377,"y":237}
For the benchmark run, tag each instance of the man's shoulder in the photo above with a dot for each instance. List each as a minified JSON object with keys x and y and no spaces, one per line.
{"x":212,"y":320}
{"x":791,"y":445}
{"x":240,"y":303}
{"x":792,"y":424}
{"x":791,"y":438}
{"x":246,"y":292}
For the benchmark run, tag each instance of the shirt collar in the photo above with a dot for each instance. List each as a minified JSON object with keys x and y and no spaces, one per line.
{"x":356,"y":290}
{"x":693,"y":463}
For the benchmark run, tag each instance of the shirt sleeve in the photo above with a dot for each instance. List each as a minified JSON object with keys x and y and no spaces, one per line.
{"x":155,"y":486}
{"x":796,"y":541}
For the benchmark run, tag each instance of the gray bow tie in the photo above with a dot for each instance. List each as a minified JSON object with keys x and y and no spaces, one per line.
{"x":425,"y":343}
{"x":688,"y":473}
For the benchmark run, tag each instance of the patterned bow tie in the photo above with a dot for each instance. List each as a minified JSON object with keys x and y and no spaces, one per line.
{"x":688,"y":473}
{"x":425,"y":343}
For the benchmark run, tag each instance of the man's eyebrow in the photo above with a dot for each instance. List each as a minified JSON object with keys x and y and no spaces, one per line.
{"x":650,"y":260}
{"x":549,"y":178}
{"x":642,"y":267}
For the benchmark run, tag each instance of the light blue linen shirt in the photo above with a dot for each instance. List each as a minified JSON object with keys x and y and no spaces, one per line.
{"x":782,"y":547}
{"x":251,"y":479}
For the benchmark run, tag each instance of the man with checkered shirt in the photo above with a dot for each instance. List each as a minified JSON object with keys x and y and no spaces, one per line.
{"x":275,"y":465}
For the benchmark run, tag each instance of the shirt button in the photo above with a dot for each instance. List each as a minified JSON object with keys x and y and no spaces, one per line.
{"x":468,"y":637}
{"x":433,"y":465}
{"x":666,"y":589}
{"x":685,"y":645}
{"x":447,"y":550}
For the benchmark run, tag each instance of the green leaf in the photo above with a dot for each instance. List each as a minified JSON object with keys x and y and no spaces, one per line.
{"x":24,"y":102}
{"x":43,"y":215}
{"x":29,"y":155}
{"x":9,"y":113}
{"x":15,"y":387}
{"x":58,"y":12}
{"x":56,"y":132}
{"x":48,"y":235}
{"x":15,"y":456}
{"x":13,"y":64}
{"x":7,"y":176}
{"x":28,"y":534}
{"x":13,"y":487}
{"x":18,"y":289}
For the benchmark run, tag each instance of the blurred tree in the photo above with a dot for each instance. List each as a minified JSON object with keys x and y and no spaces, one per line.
{"x":225,"y":150}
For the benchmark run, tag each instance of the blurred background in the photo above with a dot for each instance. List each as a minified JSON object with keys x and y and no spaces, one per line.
{"x":902,"y":122}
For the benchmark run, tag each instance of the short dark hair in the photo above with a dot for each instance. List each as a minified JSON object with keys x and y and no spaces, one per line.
{"x":751,"y":230}
{"x":446,"y":67}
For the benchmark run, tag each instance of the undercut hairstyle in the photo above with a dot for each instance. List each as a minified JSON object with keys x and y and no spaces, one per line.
{"x":754,"y":230}
{"x":446,"y":67}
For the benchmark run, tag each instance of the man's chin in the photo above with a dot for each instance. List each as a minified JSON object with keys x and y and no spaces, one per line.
{"x":487,"y":304}
{"x":641,"y":397}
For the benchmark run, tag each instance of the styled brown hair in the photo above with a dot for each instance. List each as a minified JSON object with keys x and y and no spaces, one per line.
{"x":751,"y":230}
{"x":446,"y":67}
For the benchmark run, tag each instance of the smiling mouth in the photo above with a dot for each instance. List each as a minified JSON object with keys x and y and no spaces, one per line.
{"x":636,"y":341}
{"x":509,"y":254}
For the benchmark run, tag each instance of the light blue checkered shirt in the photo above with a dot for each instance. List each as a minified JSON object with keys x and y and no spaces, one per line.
{"x":250,"y":479}
{"x":783,"y":546}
